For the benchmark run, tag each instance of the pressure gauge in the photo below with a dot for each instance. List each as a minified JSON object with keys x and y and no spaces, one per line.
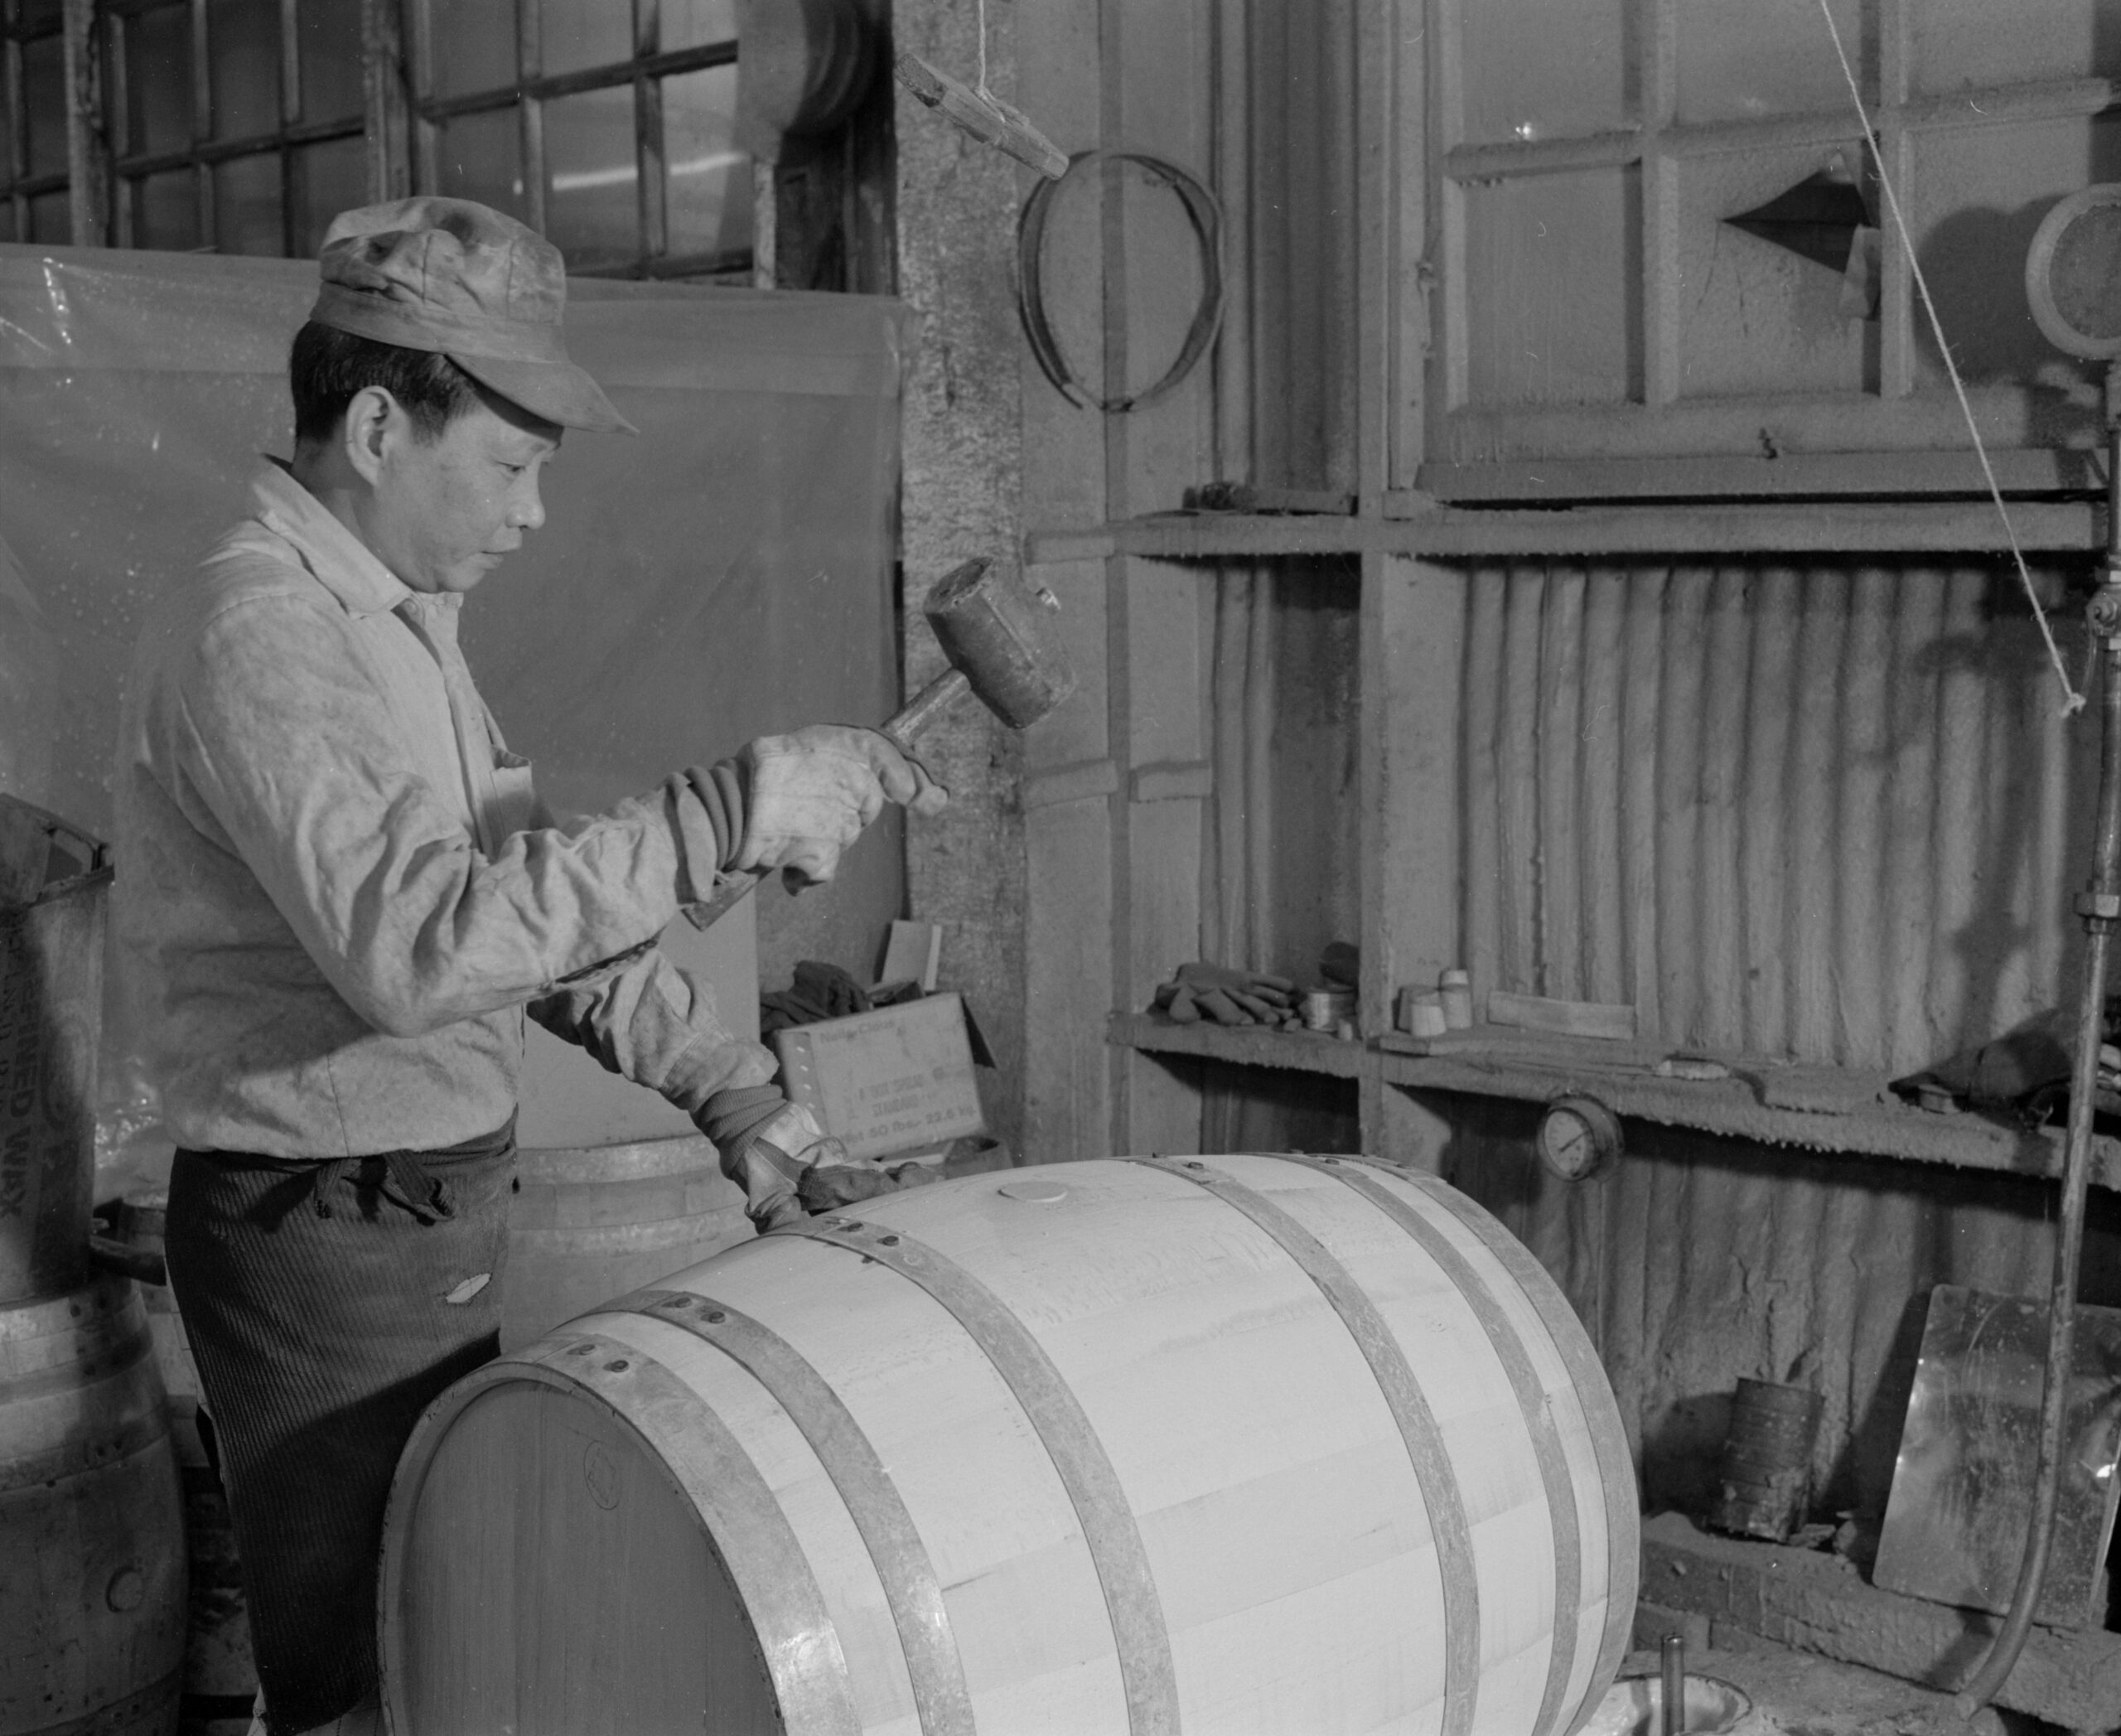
{"x":1579,"y":1137}
{"x":2070,"y":271}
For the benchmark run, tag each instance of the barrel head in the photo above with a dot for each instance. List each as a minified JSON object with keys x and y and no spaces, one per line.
{"x":1004,"y":637}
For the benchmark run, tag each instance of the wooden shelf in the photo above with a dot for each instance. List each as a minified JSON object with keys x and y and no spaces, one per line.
{"x":1247,"y":1046}
{"x":1447,"y":533}
{"x":1816,"y":1108}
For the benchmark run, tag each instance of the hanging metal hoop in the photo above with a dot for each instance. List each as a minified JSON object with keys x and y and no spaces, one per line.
{"x":1205,"y":213}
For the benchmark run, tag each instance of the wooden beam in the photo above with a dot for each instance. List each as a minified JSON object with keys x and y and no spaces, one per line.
{"x":1815,"y":1603}
{"x":385,"y":112}
{"x":1447,"y":533}
{"x":2048,"y":470}
{"x":88,"y":137}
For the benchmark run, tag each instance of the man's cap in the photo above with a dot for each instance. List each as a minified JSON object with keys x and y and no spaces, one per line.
{"x":451,"y":276}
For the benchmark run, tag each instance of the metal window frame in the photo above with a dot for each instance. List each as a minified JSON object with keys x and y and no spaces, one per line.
{"x":533,"y":88}
{"x":17,"y":183}
{"x":1632,"y":442}
{"x":132,"y":165}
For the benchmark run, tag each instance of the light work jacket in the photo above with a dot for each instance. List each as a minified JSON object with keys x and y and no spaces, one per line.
{"x":337,"y":893}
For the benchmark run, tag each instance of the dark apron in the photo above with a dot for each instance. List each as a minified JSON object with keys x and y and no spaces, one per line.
{"x":317,"y":1299}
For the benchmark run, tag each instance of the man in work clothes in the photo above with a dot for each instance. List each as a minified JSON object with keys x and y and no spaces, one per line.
{"x":340,"y":896}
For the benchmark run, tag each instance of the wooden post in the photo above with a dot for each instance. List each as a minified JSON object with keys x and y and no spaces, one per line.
{"x":384,"y":108}
{"x":88,"y":139}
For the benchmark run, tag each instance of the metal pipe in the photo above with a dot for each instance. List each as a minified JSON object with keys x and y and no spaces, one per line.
{"x":1672,"y":1698}
{"x":2100,"y":906}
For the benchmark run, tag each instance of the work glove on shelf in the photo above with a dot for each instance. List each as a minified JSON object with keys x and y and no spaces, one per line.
{"x":789,"y":1167}
{"x":809,"y":795}
{"x":1228,"y":997}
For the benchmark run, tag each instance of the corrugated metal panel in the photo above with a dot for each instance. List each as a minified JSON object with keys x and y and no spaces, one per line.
{"x":1698,"y":1260}
{"x":1830,"y":813}
{"x":1822,"y":813}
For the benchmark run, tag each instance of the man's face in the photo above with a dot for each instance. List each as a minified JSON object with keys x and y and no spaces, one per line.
{"x":445,"y":511}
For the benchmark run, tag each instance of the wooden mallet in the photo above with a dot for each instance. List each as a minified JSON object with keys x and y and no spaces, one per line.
{"x":1004,"y":649}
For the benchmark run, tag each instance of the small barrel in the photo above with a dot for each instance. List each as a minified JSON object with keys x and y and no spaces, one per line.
{"x":1763,"y":1482}
{"x":1237,"y":1443}
{"x":92,"y":1595}
{"x":588,"y":1222}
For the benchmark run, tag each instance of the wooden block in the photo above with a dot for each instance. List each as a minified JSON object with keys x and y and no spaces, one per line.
{"x":1820,"y":1603}
{"x":886,"y":1082}
{"x":914,"y":953}
{"x":1612,"y":1020}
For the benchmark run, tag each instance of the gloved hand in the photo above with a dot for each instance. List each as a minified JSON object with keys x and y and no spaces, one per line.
{"x":788,"y":1166}
{"x":1227,"y":996}
{"x":808,"y":795}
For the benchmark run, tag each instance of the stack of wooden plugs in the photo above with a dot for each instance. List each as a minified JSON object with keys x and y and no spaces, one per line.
{"x":1432,"y":1012}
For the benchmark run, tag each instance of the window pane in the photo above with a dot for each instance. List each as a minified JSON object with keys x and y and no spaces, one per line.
{"x":1550,"y":269}
{"x":51,"y":223}
{"x":579,"y":33}
{"x":328,"y":179}
{"x":44,"y":95}
{"x":591,"y":212}
{"x":708,"y":204}
{"x":473,"y":45}
{"x":1537,"y":69}
{"x":242,"y":39}
{"x":166,"y":211}
{"x":1958,"y":42}
{"x":689,"y":23}
{"x":476,"y":158}
{"x":1741,"y":60}
{"x":7,"y":219}
{"x":158,"y":80}
{"x":38,"y":13}
{"x":330,"y":48}
{"x":247,"y":205}
{"x":1757,"y":316}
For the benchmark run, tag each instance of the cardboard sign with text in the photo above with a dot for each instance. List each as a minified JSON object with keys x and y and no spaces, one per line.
{"x":893,"y":1081}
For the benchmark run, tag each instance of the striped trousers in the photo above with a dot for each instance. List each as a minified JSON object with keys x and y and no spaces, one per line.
{"x":327,"y":1304}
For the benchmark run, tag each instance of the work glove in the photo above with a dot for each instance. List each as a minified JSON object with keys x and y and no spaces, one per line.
{"x":1228,"y":997}
{"x":809,"y":794}
{"x":788,"y":1167}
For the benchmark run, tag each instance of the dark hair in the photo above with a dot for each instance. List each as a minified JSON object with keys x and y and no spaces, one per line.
{"x":327,"y":367}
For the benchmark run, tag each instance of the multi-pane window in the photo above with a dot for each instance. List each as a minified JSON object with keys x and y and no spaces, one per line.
{"x":1646,"y":211}
{"x":234,"y":125}
{"x":610,"y":127}
{"x":32,"y":122}
{"x":244,"y":126}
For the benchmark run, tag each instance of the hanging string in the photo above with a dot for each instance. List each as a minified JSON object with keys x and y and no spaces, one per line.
{"x":2072,"y":700}
{"x":984,"y":91}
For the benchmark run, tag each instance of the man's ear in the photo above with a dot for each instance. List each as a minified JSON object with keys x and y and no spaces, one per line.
{"x":370,"y":414}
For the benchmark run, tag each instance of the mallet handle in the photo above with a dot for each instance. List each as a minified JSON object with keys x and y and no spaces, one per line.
{"x":927,"y":705}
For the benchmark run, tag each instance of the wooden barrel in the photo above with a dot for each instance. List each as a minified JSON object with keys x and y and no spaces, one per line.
{"x":1240,"y":1442}
{"x":588,"y":1222}
{"x":92,"y":1593}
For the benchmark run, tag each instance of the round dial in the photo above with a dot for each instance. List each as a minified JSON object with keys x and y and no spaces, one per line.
{"x":2070,"y":270}
{"x":1579,"y":1137}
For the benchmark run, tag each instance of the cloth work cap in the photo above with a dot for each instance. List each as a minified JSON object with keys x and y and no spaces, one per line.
{"x":451,"y":276}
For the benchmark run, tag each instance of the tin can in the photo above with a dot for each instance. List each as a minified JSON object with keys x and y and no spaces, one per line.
{"x":1324,"y":1009}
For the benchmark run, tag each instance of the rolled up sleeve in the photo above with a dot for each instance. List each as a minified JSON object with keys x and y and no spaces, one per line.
{"x":659,"y":1025}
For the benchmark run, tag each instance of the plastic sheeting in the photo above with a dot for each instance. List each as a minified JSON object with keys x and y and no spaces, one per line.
{"x":725,"y":575}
